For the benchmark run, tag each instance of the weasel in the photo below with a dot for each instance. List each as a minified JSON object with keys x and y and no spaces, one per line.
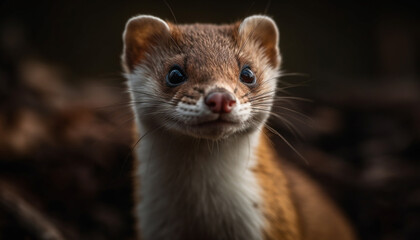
{"x":205,"y":170}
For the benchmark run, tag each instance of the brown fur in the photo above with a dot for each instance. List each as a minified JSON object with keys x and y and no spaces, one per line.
{"x":279,"y":210}
{"x":295,"y":207}
{"x":319,"y":218}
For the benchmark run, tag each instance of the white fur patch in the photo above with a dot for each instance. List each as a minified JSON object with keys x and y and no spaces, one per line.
{"x":206,"y":187}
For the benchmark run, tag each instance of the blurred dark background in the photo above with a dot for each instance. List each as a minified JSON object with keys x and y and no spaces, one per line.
{"x":65,"y":128}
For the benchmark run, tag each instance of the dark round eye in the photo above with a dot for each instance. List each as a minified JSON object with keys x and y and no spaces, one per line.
{"x":175,"y":77}
{"x":247,"y":76}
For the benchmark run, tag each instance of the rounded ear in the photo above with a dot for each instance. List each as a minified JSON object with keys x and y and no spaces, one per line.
{"x":263,"y":30}
{"x":142,"y":32}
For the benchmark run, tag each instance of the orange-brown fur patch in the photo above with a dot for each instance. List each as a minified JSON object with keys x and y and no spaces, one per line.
{"x":278,"y":209}
{"x":294,"y":206}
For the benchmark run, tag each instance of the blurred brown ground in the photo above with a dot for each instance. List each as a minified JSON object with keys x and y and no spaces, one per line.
{"x":65,"y":128}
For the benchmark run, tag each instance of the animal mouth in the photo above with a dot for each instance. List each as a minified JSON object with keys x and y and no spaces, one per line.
{"x":213,"y":128}
{"x":216,"y":123}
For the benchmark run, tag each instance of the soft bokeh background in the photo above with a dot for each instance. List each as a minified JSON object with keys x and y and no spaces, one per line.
{"x":65,"y":130}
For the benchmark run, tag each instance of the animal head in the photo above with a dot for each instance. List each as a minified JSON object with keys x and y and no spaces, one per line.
{"x":202,"y":80}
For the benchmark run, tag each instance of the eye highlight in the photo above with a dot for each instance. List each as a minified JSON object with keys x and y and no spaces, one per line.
{"x":175,"y":77}
{"x":247,"y":76}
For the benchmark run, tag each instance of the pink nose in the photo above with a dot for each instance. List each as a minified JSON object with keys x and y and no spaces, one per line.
{"x":220,"y":102}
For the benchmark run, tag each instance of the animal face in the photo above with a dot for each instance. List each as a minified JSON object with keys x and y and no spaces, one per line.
{"x":205,"y":81}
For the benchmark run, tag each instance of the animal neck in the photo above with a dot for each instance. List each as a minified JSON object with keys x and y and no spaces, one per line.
{"x":174,"y":153}
{"x":206,"y":184}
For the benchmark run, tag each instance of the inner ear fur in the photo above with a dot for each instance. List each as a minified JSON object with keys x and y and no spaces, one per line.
{"x":140,"y":34}
{"x":263,"y":30}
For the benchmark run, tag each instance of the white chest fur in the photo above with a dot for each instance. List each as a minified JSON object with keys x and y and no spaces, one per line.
{"x":198,"y":189}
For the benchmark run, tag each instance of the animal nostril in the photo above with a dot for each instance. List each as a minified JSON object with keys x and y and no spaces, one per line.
{"x":220,"y":102}
{"x":228,"y":104}
{"x":214,"y":101}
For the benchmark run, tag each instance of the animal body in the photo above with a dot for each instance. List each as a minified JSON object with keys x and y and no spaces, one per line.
{"x":205,"y":169}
